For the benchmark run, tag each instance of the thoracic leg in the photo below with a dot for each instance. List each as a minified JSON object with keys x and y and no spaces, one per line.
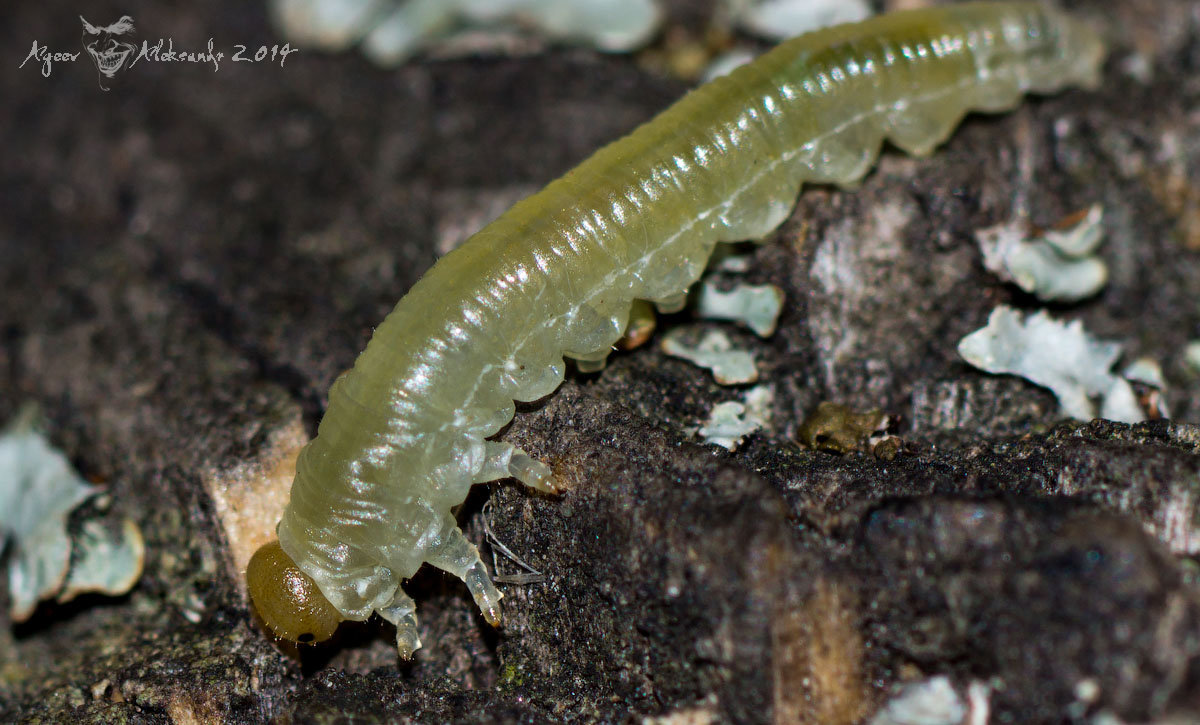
{"x":403,"y":614}
{"x":591,"y":365}
{"x":673,"y":303}
{"x":502,"y":460}
{"x":640,"y":327}
{"x":460,"y":557}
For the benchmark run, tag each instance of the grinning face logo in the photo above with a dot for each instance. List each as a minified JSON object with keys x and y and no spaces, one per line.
{"x":108,"y":53}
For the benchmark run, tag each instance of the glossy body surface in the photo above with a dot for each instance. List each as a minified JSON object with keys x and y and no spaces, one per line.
{"x":405,"y":433}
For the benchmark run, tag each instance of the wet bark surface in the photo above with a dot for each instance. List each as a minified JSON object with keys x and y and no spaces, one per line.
{"x":189,"y":259}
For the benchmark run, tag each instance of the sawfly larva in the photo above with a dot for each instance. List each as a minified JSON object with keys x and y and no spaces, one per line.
{"x":406,"y":432}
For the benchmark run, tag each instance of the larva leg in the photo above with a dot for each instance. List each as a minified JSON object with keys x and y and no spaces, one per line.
{"x":591,"y":364}
{"x":459,"y":557}
{"x":403,"y":614}
{"x":642,"y":322}
{"x":504,"y":460}
{"x":673,"y":303}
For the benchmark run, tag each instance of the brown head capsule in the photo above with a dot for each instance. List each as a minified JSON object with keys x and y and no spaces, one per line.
{"x":287,"y":599}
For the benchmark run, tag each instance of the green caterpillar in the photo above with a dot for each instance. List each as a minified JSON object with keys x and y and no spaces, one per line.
{"x":406,"y":432}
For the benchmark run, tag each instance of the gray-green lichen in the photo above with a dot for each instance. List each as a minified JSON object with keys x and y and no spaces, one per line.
{"x":390,"y":32}
{"x":715,"y":352}
{"x":1191,"y":355}
{"x":38,"y":491}
{"x":1053,"y":264}
{"x":755,"y":306}
{"x":929,"y":702}
{"x":730,"y":422}
{"x":1060,"y":356}
{"x":778,"y":19}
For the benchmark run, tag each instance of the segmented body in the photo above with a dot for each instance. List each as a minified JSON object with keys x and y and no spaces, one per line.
{"x":405,"y":433}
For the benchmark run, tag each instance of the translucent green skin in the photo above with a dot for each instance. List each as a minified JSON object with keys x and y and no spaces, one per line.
{"x":403,"y":438}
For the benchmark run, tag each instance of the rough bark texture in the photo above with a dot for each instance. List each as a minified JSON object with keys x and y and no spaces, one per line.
{"x":188,"y":260}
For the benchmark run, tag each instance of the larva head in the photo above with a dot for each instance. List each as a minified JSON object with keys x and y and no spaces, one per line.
{"x":287,"y":599}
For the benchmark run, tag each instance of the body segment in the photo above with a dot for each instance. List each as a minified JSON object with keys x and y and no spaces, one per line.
{"x":405,"y":434}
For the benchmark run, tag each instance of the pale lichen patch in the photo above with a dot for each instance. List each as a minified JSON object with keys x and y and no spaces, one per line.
{"x":1051,"y":264}
{"x":715,"y":352}
{"x":392,"y":31}
{"x":1191,"y":355}
{"x":730,"y":422}
{"x":1062,"y":357}
{"x":38,"y":491}
{"x":755,"y":306}
{"x":779,"y":19}
{"x":934,"y":701}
